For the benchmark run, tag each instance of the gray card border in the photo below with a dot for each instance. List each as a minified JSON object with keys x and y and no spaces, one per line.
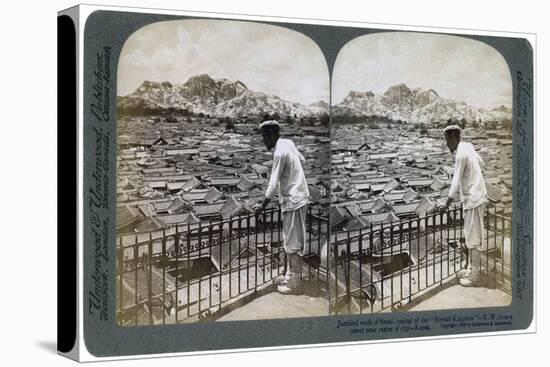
{"x":104,"y":35}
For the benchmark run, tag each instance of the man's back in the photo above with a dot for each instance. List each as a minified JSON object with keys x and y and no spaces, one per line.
{"x":468,"y":180}
{"x":288,"y":175}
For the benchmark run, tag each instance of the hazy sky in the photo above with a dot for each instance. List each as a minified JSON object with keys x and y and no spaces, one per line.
{"x":455,"y":67}
{"x":265,"y":58}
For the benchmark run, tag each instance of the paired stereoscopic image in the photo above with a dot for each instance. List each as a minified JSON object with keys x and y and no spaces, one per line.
{"x":219,"y":218}
{"x":421,"y":174}
{"x":251,"y":185}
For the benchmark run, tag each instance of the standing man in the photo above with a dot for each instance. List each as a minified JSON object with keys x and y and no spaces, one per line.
{"x":469,"y":187}
{"x":289,"y":182}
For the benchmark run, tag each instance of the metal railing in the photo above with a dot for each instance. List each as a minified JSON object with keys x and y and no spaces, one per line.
{"x":388,"y":265}
{"x":497,"y":259}
{"x":197,"y":272}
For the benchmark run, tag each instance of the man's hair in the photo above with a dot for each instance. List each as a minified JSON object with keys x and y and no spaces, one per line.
{"x":453,"y":132}
{"x":267,"y":117}
{"x":270,"y":130}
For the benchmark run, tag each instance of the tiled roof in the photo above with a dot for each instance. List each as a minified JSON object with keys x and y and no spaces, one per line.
{"x":420,"y":182}
{"x":208,"y":209}
{"x":183,"y":218}
{"x":126,"y":215}
{"x":314,"y":193}
{"x":191,"y":184}
{"x":381,"y":217}
{"x":245,"y":184}
{"x":177,"y":205}
{"x":226,"y":181}
{"x":372,"y":205}
{"x":159,"y":170}
{"x":146,"y":210}
{"x":123,"y":197}
{"x":357,"y":223}
{"x":213,"y":195}
{"x":150,"y":224}
{"x":174,"y":186}
{"x":362,"y":186}
{"x":404,"y":209}
{"x":260,"y":169}
{"x":157,"y":185}
{"x":438,"y":184}
{"x":424,"y":207}
{"x":494,"y":192}
{"x":231,"y":207}
{"x":338,"y":215}
{"x":391,"y":185}
{"x":378,"y":187}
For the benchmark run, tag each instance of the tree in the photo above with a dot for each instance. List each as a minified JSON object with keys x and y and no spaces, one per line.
{"x":423,"y":129}
{"x":507,"y":124}
{"x":372,"y":125}
{"x":325,"y":118}
{"x":229,"y":124}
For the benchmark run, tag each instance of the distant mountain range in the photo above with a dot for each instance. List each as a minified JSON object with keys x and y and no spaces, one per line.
{"x":214,"y":97}
{"x":416,"y":105}
{"x":222,"y":97}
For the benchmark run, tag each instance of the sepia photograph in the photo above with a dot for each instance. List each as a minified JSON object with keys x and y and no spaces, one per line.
{"x":421,"y":175}
{"x":245,"y":183}
{"x":223,"y":174}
